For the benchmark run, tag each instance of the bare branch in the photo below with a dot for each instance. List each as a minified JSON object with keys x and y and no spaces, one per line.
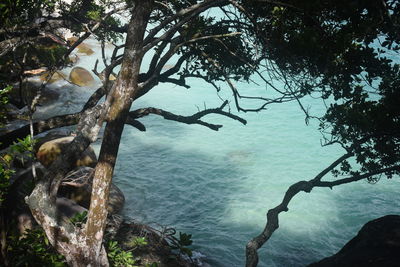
{"x":193,"y":119}
{"x":187,"y":13}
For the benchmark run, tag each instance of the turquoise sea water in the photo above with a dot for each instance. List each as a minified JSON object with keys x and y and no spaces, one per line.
{"x":218,"y":186}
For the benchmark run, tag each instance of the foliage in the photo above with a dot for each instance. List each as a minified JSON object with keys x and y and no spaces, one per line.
{"x":339,"y":51}
{"x":347,"y":53}
{"x":181,"y":244}
{"x":137,"y":242}
{"x":3,"y":102}
{"x":5,"y":174}
{"x":24,"y":146}
{"x":20,"y":12}
{"x":88,"y":12}
{"x":119,"y":257}
{"x":19,"y":150}
{"x":79,"y":219}
{"x":33,"y":249}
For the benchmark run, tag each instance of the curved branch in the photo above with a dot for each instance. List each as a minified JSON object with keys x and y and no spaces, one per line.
{"x":193,"y":119}
{"x":306,"y":186}
{"x":272,"y":216}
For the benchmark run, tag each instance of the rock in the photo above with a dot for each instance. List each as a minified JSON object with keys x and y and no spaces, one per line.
{"x":116,"y":200}
{"x":68,"y":208}
{"x":15,"y":209}
{"x":72,"y":39}
{"x":57,"y":76}
{"x":25,"y":221}
{"x":85,"y":49}
{"x":29,"y":92}
{"x":49,"y":137}
{"x":48,"y":96}
{"x":82,"y":47}
{"x":157,"y":250}
{"x":376,"y":244}
{"x":77,"y":186}
{"x":74,"y":59}
{"x":50,"y":150}
{"x":81,"y":77}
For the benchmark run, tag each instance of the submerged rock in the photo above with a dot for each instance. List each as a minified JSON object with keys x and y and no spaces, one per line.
{"x":83,"y":47}
{"x":57,"y":76}
{"x":81,"y":77}
{"x":376,"y":244}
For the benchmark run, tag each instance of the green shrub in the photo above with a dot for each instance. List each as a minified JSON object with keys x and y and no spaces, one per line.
{"x":33,"y":249}
{"x":118,"y":257}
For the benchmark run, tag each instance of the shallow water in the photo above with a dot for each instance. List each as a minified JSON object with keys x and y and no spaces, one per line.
{"x":218,"y":186}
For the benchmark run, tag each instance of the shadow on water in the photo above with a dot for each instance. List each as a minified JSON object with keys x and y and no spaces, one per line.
{"x":167,"y":182}
{"x":180,"y":188}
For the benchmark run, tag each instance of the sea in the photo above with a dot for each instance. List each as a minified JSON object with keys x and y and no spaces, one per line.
{"x":219,"y":185}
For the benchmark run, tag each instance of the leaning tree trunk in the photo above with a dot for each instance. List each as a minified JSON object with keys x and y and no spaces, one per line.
{"x":84,"y":246}
{"x":120,"y":101}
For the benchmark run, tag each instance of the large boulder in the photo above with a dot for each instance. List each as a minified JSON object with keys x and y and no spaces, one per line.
{"x":68,"y":208}
{"x":81,"y":77}
{"x":376,"y":244}
{"x":77,"y":186}
{"x":50,"y":150}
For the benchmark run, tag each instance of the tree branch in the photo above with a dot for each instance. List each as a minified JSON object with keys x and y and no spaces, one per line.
{"x":193,"y":119}
{"x":52,"y":123}
{"x":189,"y":12}
{"x":356,"y":178}
{"x":272,"y":216}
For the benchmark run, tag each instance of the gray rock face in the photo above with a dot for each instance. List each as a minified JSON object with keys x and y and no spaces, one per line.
{"x":68,"y":208}
{"x":376,"y":244}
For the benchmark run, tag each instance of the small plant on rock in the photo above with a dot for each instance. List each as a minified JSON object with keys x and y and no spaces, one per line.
{"x":118,"y":257}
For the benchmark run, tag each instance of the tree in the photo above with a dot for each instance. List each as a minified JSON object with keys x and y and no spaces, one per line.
{"x":344,"y":52}
{"x":310,"y":47}
{"x":210,"y":48}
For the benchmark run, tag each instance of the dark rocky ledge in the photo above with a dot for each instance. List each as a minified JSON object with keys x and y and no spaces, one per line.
{"x":376,"y":244}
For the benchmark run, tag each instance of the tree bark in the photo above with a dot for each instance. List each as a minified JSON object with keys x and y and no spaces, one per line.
{"x":119,"y":102}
